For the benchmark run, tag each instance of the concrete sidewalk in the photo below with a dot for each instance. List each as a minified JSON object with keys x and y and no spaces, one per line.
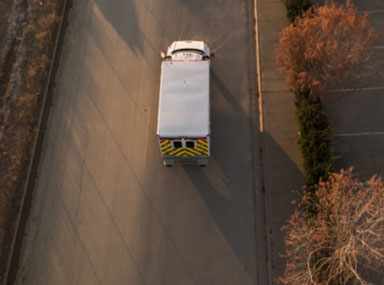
{"x":281,"y":159}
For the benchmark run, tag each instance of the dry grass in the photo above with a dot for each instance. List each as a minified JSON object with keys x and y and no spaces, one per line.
{"x":5,"y":7}
{"x":23,"y":75}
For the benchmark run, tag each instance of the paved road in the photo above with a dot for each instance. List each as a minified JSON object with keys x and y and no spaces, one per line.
{"x":105,"y":210}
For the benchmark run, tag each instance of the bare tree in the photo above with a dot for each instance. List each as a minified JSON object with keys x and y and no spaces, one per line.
{"x":336,"y":235}
{"x":327,"y":46}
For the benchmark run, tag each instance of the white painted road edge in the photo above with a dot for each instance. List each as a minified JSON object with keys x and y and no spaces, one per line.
{"x":360,"y":134}
{"x":258,"y":67}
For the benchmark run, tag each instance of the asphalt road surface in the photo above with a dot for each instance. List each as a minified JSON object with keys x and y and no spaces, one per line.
{"x":105,"y":210}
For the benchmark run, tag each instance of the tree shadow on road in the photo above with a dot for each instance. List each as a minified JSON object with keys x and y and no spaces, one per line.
{"x":128,"y":28}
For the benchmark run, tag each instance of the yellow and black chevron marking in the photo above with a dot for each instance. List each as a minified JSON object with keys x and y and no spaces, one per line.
{"x":166,"y":146}
{"x":201,"y":149}
{"x":202,"y":146}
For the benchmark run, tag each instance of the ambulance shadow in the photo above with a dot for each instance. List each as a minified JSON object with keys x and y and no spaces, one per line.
{"x":228,"y":188}
{"x":219,"y":89}
{"x":231,"y":125}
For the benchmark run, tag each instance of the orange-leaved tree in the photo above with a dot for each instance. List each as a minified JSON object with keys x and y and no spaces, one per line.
{"x":327,"y":46}
{"x":336,"y":235}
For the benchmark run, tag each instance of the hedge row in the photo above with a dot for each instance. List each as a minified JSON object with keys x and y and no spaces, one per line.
{"x":315,"y":140}
{"x":316,"y":133}
{"x":296,"y":7}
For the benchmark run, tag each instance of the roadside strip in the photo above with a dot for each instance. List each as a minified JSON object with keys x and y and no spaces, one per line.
{"x":13,"y":261}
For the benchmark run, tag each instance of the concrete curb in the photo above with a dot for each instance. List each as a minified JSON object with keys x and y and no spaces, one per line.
{"x":14,"y":257}
{"x":263,"y":244}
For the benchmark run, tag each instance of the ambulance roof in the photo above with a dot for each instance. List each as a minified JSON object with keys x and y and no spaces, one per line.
{"x":184,"y":99}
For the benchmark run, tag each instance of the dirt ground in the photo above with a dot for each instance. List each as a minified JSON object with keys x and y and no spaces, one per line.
{"x":27,"y":32}
{"x":5,"y":8}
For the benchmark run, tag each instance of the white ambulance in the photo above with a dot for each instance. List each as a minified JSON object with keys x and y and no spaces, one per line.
{"x":183,"y":127}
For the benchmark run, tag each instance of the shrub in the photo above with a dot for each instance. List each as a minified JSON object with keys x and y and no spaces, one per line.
{"x":330,"y":46}
{"x":315,"y":140}
{"x":343,"y":242}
